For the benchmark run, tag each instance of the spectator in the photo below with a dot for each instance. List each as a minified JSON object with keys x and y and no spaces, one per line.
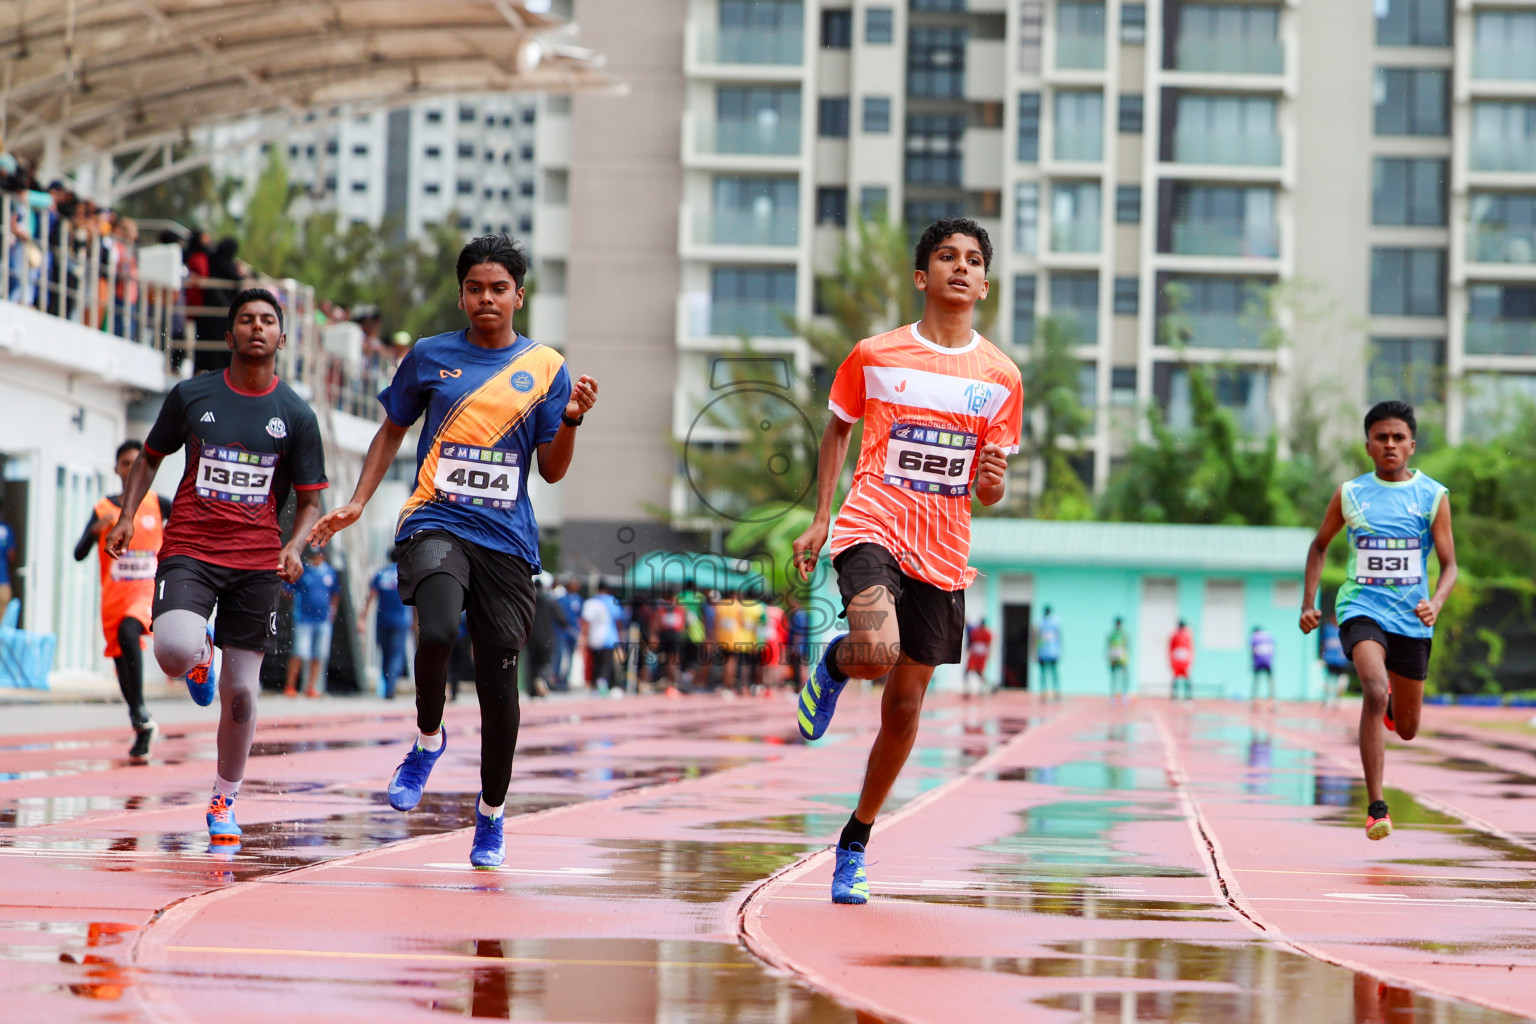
{"x":1262,"y":646}
{"x":799,"y":641}
{"x":672,"y":637}
{"x":391,"y":627}
{"x":224,"y":282}
{"x":543,"y":639}
{"x":600,"y":621}
{"x":1181,"y":658}
{"x":978,"y":646}
{"x":1048,"y":653}
{"x":125,"y":242}
{"x":7,"y":559}
{"x":1119,"y":650}
{"x":1335,"y":662}
{"x":571,"y":602}
{"x":316,"y":597}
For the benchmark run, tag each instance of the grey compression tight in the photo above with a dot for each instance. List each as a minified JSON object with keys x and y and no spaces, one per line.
{"x":181,"y":641}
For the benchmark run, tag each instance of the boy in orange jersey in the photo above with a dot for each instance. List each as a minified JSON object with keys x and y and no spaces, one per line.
{"x":128,"y":591}
{"x":943,"y":409}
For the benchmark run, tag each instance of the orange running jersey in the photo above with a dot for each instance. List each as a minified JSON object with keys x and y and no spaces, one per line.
{"x":128,"y":582}
{"x":927,"y":411}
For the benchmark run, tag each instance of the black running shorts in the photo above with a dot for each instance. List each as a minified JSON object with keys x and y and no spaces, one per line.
{"x":498,"y":588}
{"x":930,"y":621}
{"x":246,"y":598}
{"x":1408,"y":656}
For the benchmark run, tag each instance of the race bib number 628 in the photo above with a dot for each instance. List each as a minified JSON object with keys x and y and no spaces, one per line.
{"x":487,"y":477}
{"x":929,"y":459}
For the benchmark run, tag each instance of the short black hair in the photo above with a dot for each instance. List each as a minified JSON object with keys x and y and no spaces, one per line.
{"x":1393,"y":410}
{"x":249,"y":295}
{"x":942,"y":229}
{"x":496,"y":248}
{"x":129,"y":445}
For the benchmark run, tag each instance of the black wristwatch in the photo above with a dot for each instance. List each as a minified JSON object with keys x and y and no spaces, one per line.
{"x":572,"y":422}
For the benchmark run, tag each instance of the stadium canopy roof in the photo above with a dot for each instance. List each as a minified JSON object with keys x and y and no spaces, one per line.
{"x":84,"y":80}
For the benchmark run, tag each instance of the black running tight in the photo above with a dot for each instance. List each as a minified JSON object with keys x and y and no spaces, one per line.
{"x":130,"y":669}
{"x":439,"y":600}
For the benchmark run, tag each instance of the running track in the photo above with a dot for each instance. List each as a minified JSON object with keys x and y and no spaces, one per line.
{"x":667,"y":862}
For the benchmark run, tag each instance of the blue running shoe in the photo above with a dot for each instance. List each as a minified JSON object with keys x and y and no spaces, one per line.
{"x":201,"y":682}
{"x":849,"y":883}
{"x":411,"y":777}
{"x":222,"y":827}
{"x":489,"y":851}
{"x":819,"y":698}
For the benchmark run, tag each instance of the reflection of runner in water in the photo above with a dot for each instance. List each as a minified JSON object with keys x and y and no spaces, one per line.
{"x":1386,"y":613}
{"x":942,"y":410}
{"x":128,"y":591}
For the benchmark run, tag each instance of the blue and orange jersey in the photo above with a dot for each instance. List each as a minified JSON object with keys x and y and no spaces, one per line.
{"x":487,"y":411}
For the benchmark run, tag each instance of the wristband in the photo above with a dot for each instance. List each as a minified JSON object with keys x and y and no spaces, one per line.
{"x":572,"y":422}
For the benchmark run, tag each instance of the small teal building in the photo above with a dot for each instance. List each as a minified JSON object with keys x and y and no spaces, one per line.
{"x":1221,"y":580}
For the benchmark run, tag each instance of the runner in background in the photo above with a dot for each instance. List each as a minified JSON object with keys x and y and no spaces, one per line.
{"x":978,"y":646}
{"x":1261,"y":647}
{"x":1335,"y":663}
{"x":570,"y":635}
{"x":1118,"y":649}
{"x":1386,"y":612}
{"x":128,"y":591}
{"x":1048,"y":654}
{"x":250,"y":440}
{"x":316,"y":596}
{"x":391,"y":625}
{"x":1181,"y":658}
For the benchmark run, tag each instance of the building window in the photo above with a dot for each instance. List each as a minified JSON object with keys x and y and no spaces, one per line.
{"x":1133,"y":24}
{"x":1130,"y":113}
{"x":359,"y":150}
{"x":936,"y":62}
{"x":1220,"y":220}
{"x":525,"y":153}
{"x":528,"y":115}
{"x":877,"y":115}
{"x":874,"y":202}
{"x":751,"y":301}
{"x":465,"y":224}
{"x":1409,"y":369}
{"x":525,"y":188}
{"x":330,"y":183}
{"x":1029,"y":127}
{"x":1412,"y":101}
{"x":1407,"y":282}
{"x":433,"y":152}
{"x":293,"y":152}
{"x":1217,"y":129}
{"x":934,"y":148}
{"x":1075,"y":217}
{"x":832,"y":117}
{"x":1075,"y":301}
{"x":1409,"y":191}
{"x":309,"y":151}
{"x":1128,"y":204}
{"x":1233,"y":38}
{"x":950,"y":6}
{"x":1079,"y":34}
{"x":1501,"y":227}
{"x":431,"y":188}
{"x":1501,"y":320}
{"x":832,"y":206}
{"x":1504,"y":45}
{"x":757,"y":119}
{"x":434,"y":117}
{"x":490,"y":156}
{"x":1026,"y":218}
{"x":1503,"y":136}
{"x":465,"y":187}
{"x":359,"y":186}
{"x":1210,"y":311}
{"x":506,"y":194}
{"x":1122,"y":387}
{"x":919,"y":213}
{"x":524,"y":224}
{"x":466,"y":150}
{"x":466,"y":115}
{"x":1031,"y":35}
{"x":1127,"y":296}
{"x":879,"y":25}
{"x":489,"y":193}
{"x":1024,"y":287}
{"x":836,"y":29}
{"x":1079,"y":125}
{"x":1413,"y":22}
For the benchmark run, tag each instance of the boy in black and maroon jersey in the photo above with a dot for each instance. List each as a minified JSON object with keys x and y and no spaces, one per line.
{"x":249,"y":440}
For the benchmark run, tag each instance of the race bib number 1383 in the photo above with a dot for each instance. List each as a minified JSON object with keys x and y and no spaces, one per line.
{"x":487,"y":477}
{"x":229,"y":474}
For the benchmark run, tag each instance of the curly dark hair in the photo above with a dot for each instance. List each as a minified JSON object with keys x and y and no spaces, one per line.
{"x":493,"y":249}
{"x":1393,"y":410}
{"x":942,"y":229}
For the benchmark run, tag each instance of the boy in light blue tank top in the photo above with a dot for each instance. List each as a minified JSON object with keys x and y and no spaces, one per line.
{"x":1385,"y":611}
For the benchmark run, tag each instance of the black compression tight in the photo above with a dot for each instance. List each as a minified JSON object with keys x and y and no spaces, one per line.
{"x":130,"y":669}
{"x":439,"y":600}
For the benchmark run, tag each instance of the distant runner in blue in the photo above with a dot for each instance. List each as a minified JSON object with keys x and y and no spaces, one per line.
{"x":1386,"y":613}
{"x":391,"y":626}
{"x":1261,"y":647}
{"x":491,"y":404}
{"x":316,"y":596}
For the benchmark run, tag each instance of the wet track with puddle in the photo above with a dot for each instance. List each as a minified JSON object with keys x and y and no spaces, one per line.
{"x":667,"y":861}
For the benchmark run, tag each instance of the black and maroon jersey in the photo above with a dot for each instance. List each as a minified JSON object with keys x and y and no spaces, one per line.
{"x":245,"y":451}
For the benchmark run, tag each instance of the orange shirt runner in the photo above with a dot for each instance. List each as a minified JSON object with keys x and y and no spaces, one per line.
{"x":128,"y":582}
{"x":927,"y":412}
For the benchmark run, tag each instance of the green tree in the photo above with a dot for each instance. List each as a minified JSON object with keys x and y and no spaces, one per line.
{"x":188,"y":199}
{"x":1061,"y":421}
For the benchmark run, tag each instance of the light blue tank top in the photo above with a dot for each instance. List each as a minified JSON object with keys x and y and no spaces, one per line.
{"x":1389,"y":545}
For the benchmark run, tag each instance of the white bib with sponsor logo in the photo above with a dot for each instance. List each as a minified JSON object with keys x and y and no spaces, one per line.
{"x":1388,"y":561}
{"x":480,"y":477}
{"x":229,"y":474}
{"x":930,"y":460}
{"x":134,"y":565}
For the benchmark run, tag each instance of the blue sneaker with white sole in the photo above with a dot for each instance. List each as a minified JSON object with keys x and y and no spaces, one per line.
{"x":849,"y":883}
{"x":201,"y":681}
{"x":489,"y":850}
{"x":411,"y":777}
{"x":818,"y":700}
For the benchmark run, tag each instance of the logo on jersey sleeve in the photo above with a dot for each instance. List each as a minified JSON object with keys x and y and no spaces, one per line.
{"x":277,"y":428}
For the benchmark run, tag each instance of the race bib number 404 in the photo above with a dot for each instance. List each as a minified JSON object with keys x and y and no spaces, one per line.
{"x":229,"y":474}
{"x":929,"y":459}
{"x":485,"y":477}
{"x":1389,"y":561}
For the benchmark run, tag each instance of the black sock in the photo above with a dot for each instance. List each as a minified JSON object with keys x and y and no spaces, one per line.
{"x":854,"y":832}
{"x":830,"y":660}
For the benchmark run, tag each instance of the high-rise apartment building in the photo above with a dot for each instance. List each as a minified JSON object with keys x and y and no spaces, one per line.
{"x":1131,"y":161}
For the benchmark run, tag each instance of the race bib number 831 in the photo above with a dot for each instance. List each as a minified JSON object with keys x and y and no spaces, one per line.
{"x":229,"y":474}
{"x":1389,"y":561}
{"x":929,"y":459}
{"x":487,"y":477}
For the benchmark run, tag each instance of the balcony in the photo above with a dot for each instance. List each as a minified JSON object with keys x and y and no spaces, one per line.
{"x":1501,"y":338}
{"x":730,"y":318}
{"x":1079,"y":52}
{"x":1503,"y":154}
{"x":1075,"y":236}
{"x":1077,"y":145}
{"x":746,"y":227}
{"x":1225,"y":238}
{"x":761,"y":137}
{"x":783,"y":47}
{"x":1503,"y":64}
{"x":1491,"y":243}
{"x":1222,"y":330}
{"x":1191,"y":147}
{"x":1232,"y":55}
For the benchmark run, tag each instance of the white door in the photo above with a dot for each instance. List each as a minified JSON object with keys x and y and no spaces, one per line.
{"x":1158,"y":618}
{"x":76,"y":615}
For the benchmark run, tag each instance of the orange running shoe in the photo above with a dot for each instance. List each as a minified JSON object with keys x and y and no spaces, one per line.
{"x":1378,"y":823}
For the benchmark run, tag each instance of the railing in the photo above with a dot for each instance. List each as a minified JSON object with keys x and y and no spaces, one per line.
{"x":752,"y":46}
{"x":780,"y":137}
{"x":1501,"y":338}
{"x":1196,"y":238}
{"x":746,"y":227}
{"x":734,"y":318}
{"x":79,"y":275}
{"x":1222,"y":330}
{"x":1229,"y":55}
{"x":1487,"y":243}
{"x":1075,"y":236}
{"x":1191,"y":147}
{"x":1503,"y":65}
{"x":1078,"y":145}
{"x":1504,"y":154}
{"x":1079,"y":52}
